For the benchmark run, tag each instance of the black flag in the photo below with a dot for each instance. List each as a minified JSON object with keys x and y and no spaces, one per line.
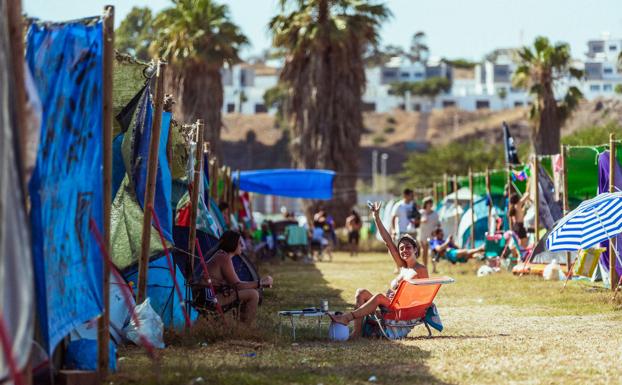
{"x":511,"y":155}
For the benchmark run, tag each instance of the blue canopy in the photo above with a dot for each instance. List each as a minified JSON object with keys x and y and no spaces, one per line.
{"x":311,"y":184}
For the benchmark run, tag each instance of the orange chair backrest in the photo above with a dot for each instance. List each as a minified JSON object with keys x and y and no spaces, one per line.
{"x":412,"y":301}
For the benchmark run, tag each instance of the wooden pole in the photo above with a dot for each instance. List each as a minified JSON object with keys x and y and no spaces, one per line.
{"x":471,"y":198}
{"x":537,"y":197}
{"x":444,"y":185}
{"x":489,"y":198}
{"x":612,"y":247}
{"x":194,"y":199}
{"x":16,"y":42}
{"x":456,"y":205}
{"x":214,"y":181}
{"x":562,"y":154}
{"x":435,"y":192}
{"x":154,"y":145}
{"x":103,"y":323}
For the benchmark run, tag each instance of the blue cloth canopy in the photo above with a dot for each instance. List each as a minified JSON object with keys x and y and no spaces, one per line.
{"x":310,"y":184}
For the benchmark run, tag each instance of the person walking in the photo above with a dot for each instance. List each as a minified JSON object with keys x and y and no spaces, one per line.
{"x":429,"y":223}
{"x":406,"y":215}
{"x":353,"y":225}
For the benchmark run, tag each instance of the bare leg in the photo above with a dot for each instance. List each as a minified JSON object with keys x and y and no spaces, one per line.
{"x":469,"y":252}
{"x":369,"y":307}
{"x":249,"y":299}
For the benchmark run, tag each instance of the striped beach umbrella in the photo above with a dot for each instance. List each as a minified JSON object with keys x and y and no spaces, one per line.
{"x":594,"y":221}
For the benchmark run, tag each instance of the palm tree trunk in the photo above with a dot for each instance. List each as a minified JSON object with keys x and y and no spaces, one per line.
{"x":200,"y":93}
{"x":547,"y":132}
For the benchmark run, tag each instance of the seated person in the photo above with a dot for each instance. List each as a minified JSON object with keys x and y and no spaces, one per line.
{"x":405,"y":255}
{"x":319,"y":242}
{"x":227,"y":284}
{"x":448,"y":249}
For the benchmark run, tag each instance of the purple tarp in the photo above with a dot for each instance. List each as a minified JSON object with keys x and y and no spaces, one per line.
{"x":603,"y":186}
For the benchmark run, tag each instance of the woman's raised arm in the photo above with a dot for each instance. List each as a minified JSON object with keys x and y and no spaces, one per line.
{"x":386,"y":237}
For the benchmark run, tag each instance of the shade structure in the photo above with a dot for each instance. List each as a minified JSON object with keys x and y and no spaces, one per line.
{"x":310,"y":184}
{"x":594,"y":221}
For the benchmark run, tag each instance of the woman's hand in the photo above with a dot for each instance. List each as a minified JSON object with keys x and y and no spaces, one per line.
{"x":266,"y":281}
{"x":375,"y":208}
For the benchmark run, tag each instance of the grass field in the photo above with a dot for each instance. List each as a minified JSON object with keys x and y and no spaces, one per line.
{"x":498,"y":330}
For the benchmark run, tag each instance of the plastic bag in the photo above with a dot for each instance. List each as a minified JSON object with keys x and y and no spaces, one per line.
{"x":553,"y":271}
{"x":151,"y":326}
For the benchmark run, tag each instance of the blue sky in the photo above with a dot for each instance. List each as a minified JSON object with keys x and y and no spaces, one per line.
{"x":455,"y":28}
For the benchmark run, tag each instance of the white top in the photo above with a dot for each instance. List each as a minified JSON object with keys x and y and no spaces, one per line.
{"x":403,"y":211}
{"x":429,"y":222}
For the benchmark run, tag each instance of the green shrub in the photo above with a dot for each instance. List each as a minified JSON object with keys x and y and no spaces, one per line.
{"x":379,"y":139}
{"x":388,"y":130}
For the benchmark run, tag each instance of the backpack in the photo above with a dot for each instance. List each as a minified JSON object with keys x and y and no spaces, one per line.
{"x":415,"y":216}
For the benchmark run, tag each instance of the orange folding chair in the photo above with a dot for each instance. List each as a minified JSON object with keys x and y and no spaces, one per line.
{"x":411,"y":305}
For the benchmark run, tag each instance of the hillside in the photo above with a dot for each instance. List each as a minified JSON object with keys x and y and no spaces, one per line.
{"x":399,"y":132}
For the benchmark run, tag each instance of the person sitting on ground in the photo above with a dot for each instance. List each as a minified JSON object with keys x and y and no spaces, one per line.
{"x":353,"y":225}
{"x":517,"y":217}
{"x":405,"y":255}
{"x":227,"y":285}
{"x":449,"y":250}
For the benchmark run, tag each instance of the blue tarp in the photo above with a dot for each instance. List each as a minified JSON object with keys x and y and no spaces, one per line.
{"x":140,"y":156}
{"x":66,"y":187}
{"x":311,"y":184}
{"x":161,"y":291}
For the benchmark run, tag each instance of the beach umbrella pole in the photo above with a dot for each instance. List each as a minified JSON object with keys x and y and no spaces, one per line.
{"x":472,"y":208}
{"x":612,"y":246}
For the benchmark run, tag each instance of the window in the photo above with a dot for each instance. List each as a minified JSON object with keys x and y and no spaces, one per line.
{"x":449,"y":103}
{"x":230,"y":107}
{"x":479,"y":104}
{"x":418,"y":75}
{"x":417,"y":107}
{"x":608,"y":70}
{"x":612,"y":48}
{"x":260,"y":108}
{"x":607,"y":87}
{"x":518,"y":104}
{"x":405,"y":75}
{"x":595,"y":87}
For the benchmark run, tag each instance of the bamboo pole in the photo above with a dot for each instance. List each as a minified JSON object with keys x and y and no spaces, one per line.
{"x":456,"y":205}
{"x":472,"y":208}
{"x":103,"y":323}
{"x":612,"y":248}
{"x":444,"y":185}
{"x":489,"y":198}
{"x":537,"y":197}
{"x":154,"y":145}
{"x":435,"y":193}
{"x":562,"y":153}
{"x":196,"y":187}
{"x":214,"y":178}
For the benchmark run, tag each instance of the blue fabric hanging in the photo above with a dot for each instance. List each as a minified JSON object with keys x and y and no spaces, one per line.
{"x":140,"y":158}
{"x":66,"y":187}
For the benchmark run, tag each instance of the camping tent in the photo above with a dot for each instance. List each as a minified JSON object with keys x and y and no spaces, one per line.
{"x":450,"y":215}
{"x":481,"y":224}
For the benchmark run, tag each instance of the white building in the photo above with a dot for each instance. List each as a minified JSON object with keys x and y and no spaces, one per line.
{"x":487,"y":85}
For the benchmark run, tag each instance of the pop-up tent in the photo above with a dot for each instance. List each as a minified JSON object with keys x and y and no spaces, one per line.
{"x":310,"y":184}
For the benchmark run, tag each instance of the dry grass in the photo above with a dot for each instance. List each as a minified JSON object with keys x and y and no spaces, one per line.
{"x":498,"y":329}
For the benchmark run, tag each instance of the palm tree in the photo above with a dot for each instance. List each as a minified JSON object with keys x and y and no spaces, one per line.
{"x":539,"y":71}
{"x":198,"y":38}
{"x":324,"y":73}
{"x":324,"y":42}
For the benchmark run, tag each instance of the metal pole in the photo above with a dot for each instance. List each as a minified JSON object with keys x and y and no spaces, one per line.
{"x":537,"y":197}
{"x":383,"y":166}
{"x":154,"y":145}
{"x":509,"y":192}
{"x":612,"y":247}
{"x":456,"y":204}
{"x":562,"y":153}
{"x":374,"y":172}
{"x":103,"y":323}
{"x":472,"y":208}
{"x":489,"y":198}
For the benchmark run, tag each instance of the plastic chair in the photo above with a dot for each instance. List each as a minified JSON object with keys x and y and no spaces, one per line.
{"x":409,"y":305}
